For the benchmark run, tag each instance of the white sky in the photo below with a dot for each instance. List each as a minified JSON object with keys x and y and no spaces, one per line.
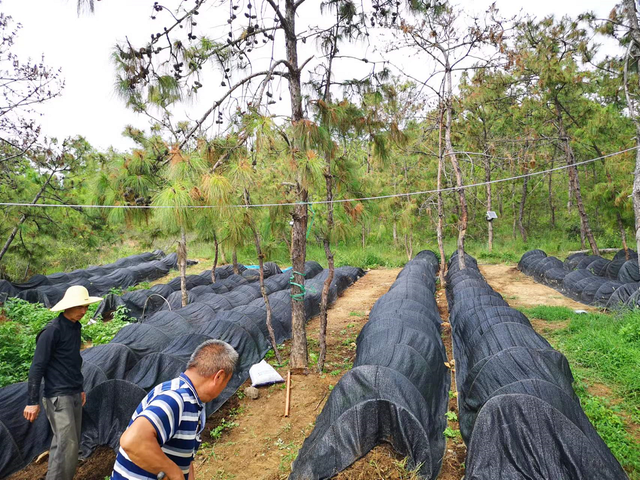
{"x":82,"y":47}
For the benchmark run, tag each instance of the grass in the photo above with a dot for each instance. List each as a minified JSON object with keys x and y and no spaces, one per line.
{"x":603,"y":348}
{"x":25,"y":320}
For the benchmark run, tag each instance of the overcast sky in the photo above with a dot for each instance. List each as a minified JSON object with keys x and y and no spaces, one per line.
{"x":82,"y":47}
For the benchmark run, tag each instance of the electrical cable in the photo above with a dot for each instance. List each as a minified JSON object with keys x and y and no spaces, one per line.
{"x":324,"y":202}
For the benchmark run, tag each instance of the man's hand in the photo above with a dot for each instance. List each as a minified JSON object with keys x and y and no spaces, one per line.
{"x":31,"y":412}
{"x":192,"y":472}
{"x":84,"y":398}
{"x":140,"y":443}
{"x":174,"y":474}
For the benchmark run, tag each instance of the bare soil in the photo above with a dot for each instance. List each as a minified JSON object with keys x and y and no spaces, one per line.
{"x":264,"y":442}
{"x":203,"y":264}
{"x":96,"y":467}
{"x":519,"y":290}
{"x":456,"y":451}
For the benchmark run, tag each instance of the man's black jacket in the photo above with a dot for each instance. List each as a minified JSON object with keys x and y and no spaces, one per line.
{"x":57,"y":360}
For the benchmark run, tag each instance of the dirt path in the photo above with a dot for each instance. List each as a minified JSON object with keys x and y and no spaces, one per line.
{"x":519,"y":290}
{"x":456,"y":451}
{"x":262,"y":443}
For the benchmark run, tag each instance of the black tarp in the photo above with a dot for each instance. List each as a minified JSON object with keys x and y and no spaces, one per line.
{"x":107,"y":413}
{"x":572,"y":260}
{"x":620,"y":298}
{"x":397,"y":391}
{"x":542,"y":442}
{"x":592,"y":280}
{"x":126,"y":272}
{"x":629,"y":272}
{"x":20,"y":440}
{"x":518,"y":412}
{"x":156,"y":350}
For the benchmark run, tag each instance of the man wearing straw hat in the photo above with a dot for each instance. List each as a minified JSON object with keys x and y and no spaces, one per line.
{"x":57,"y":359}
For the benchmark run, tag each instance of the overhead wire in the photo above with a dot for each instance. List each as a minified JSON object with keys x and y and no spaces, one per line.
{"x":324,"y":202}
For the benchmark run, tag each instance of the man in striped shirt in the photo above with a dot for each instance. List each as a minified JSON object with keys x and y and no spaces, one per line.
{"x":164,"y":432}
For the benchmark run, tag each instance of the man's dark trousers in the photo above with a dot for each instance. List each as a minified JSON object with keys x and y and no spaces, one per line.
{"x":65,"y":416}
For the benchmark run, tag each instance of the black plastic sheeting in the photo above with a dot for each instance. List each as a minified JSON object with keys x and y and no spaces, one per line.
{"x":397,"y":391}
{"x":141,"y":355}
{"x":124,"y":273}
{"x":200,"y":289}
{"x":589,"y":279}
{"x":518,"y":412}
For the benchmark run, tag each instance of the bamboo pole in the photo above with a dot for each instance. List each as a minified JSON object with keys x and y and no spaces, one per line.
{"x":287,"y":399}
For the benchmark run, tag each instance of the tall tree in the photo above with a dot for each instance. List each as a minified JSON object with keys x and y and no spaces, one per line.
{"x":631,"y":92}
{"x":437,"y":34}
{"x":546,"y":58}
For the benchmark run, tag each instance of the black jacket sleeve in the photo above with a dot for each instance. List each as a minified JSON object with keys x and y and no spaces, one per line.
{"x":44,"y":347}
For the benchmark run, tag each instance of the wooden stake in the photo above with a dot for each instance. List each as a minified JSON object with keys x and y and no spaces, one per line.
{"x":287,"y":400}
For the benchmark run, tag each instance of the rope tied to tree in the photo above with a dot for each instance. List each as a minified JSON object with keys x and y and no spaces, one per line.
{"x":297,"y":296}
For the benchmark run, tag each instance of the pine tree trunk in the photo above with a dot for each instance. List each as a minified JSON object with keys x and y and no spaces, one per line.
{"x":523,"y":200}
{"x":215,"y":257}
{"x":182,"y":265}
{"x":487,"y":179}
{"x":324,"y":300}
{"x":633,"y":52}
{"x":575,"y":181}
{"x":265,"y":297}
{"x":234,"y":259}
{"x":551,"y":207}
{"x":299,"y":358}
{"x":462,"y":224}
{"x":623,"y":235}
{"x":439,"y":230}
{"x":408,"y":245}
{"x":324,"y":305}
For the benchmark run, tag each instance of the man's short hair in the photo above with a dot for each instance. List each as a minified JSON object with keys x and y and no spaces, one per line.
{"x":211,"y":356}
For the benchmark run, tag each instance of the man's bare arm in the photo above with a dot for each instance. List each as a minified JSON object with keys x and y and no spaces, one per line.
{"x":140,"y":444}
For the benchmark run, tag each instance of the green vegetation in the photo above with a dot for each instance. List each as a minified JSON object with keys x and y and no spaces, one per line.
{"x":451,"y":433}
{"x":23,"y":322}
{"x":611,"y":427}
{"x":606,"y":344}
{"x":603,"y":349}
{"x":216,"y":432}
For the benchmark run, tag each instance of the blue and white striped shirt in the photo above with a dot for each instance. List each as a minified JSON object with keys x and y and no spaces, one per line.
{"x":178,"y":415}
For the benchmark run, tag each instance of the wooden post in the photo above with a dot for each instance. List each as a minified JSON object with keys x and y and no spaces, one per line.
{"x":287,"y":398}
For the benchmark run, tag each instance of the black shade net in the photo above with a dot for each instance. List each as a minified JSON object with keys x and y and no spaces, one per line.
{"x":141,"y":355}
{"x":168,"y":296}
{"x":124,"y":273}
{"x":589,"y":279}
{"x":518,"y":412}
{"x":397,"y":391}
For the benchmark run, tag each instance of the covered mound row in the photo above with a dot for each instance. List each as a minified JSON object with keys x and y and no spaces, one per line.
{"x":518,"y":412}
{"x":397,"y":391}
{"x":592,"y":280}
{"x":118,"y":374}
{"x":125,"y":273}
{"x":155,"y":298}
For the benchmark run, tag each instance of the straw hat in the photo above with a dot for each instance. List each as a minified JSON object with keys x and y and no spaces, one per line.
{"x":75,"y":296}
